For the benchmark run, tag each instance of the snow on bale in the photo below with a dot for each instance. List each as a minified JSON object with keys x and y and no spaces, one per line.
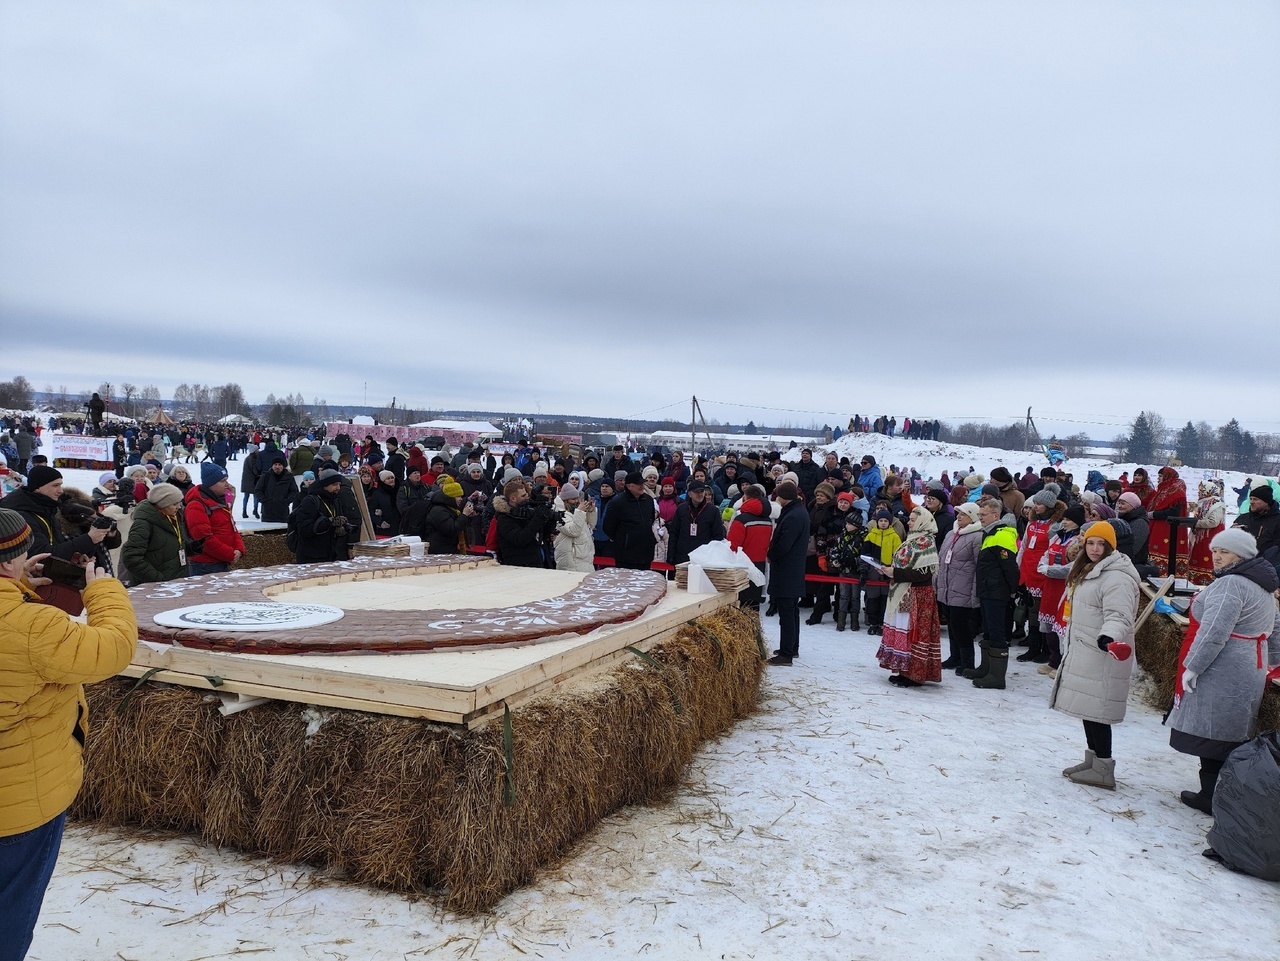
{"x":408,"y":804}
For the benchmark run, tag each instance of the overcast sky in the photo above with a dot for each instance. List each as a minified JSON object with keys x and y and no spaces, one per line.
{"x":950,"y":209}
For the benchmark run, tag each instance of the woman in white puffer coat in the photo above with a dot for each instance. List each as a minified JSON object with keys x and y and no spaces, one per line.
{"x":1100,"y":609}
{"x":575,"y":540}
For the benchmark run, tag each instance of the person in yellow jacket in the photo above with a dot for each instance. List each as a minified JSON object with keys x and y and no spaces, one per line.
{"x":45,"y":659}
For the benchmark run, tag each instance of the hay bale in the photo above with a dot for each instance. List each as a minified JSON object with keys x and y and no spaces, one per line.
{"x":151,"y":758}
{"x":1156,"y":646}
{"x":266,"y":549}
{"x":412,"y":805}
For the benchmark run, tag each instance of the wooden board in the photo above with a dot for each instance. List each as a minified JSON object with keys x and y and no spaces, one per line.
{"x":451,"y":686}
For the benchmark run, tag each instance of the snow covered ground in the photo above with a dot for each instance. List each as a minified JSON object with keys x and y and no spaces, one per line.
{"x":848,"y":819}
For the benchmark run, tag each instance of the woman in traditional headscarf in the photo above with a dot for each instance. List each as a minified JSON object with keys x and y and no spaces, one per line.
{"x":910,"y":647}
{"x":1141,"y":486}
{"x":1169,"y":500}
{"x":1233,"y":636}
{"x":1210,"y":514}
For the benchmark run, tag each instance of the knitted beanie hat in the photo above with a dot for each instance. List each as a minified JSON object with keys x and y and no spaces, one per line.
{"x":649,"y":471}
{"x":15,"y":535}
{"x":786,"y":491}
{"x":450,"y":487}
{"x":1239,"y":542}
{"x":1075,"y":513}
{"x":569,"y":493}
{"x":1130,"y":501}
{"x":386,"y":477}
{"x":211,"y":473}
{"x":1001,"y":475}
{"x":973,"y":481}
{"x":1262,"y":492}
{"x":970,"y":511}
{"x":41,"y":475}
{"x":164,"y":495}
{"x":1045,"y":498}
{"x":1101,"y":530}
{"x":108,"y":477}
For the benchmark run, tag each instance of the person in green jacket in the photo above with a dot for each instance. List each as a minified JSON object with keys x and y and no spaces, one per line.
{"x":157,"y":546}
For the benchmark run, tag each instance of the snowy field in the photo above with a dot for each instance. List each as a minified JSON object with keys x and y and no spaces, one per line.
{"x":848,"y":819}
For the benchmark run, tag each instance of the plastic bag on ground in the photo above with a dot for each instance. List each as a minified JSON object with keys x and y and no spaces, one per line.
{"x":1246,"y":809}
{"x":718,"y":554}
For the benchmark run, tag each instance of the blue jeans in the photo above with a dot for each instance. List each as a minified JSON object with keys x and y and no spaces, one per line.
{"x":26,"y":864}
{"x":218,"y":567}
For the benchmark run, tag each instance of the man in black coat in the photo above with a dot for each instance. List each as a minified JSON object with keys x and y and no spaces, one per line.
{"x":617,"y":461}
{"x":38,"y":504}
{"x":250,"y":474}
{"x":1262,"y":521}
{"x":395,"y":461}
{"x":697,"y":522}
{"x":521,"y":523}
{"x":808,"y":473}
{"x":276,"y":490}
{"x":324,"y":528}
{"x":787,"y":551}
{"x":629,"y":525}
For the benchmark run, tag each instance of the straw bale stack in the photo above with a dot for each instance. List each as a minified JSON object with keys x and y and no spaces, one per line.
{"x":411,"y":805}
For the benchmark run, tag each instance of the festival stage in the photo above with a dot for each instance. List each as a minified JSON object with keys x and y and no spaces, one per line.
{"x":526,"y":706}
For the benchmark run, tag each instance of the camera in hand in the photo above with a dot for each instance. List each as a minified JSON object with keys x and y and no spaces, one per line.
{"x":104,"y":523}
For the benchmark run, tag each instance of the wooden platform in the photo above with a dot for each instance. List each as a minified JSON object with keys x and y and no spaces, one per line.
{"x":452,"y":686}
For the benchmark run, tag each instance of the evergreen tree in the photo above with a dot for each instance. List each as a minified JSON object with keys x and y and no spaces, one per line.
{"x":1231,"y":442}
{"x":1141,"y":445}
{"x":1189,"y":450}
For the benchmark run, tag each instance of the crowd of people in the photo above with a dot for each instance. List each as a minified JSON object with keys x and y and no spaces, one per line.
{"x":995,"y":560}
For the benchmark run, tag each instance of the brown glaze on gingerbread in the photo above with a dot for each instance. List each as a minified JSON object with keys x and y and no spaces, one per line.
{"x":609,"y":596}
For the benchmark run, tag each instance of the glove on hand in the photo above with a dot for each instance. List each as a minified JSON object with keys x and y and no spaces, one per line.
{"x":1120,"y":650}
{"x":1103,"y":642}
{"x":1189,"y":680}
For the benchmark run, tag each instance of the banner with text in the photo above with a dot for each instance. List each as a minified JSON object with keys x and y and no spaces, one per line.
{"x":78,"y":447}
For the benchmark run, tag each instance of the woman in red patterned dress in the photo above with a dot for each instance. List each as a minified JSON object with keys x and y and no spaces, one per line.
{"x":1170,"y":500}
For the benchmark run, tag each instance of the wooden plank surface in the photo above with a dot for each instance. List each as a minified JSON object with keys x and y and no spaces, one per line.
{"x":454,"y":686}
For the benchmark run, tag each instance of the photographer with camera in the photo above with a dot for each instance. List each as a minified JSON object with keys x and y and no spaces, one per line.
{"x":442,"y":519}
{"x":322,"y":522}
{"x":45,"y":659}
{"x":38,"y":503}
{"x":521,"y":526}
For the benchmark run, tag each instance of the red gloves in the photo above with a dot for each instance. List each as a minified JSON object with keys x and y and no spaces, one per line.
{"x":1120,"y":650}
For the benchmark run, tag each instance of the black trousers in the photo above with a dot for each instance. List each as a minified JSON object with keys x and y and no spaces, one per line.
{"x":788,"y":625}
{"x":1098,"y":738}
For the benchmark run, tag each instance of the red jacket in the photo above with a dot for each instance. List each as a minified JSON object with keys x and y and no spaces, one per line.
{"x":213,"y":521}
{"x":751,"y":530}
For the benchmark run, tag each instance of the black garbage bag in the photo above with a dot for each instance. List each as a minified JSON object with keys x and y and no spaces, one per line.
{"x":1246,"y":809}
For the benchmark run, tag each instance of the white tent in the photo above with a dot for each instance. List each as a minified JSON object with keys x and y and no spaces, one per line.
{"x":481,"y":428}
{"x":235,"y":419}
